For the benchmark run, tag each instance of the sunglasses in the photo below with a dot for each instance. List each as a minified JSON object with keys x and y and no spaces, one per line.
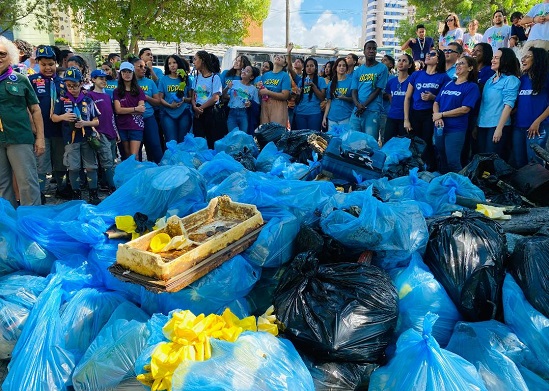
{"x":432,"y":54}
{"x":450,"y":51}
{"x":450,"y":19}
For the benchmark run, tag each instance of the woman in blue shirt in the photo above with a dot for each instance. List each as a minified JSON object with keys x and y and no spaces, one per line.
{"x":311,"y":91}
{"x":176,"y":118}
{"x":532,"y":114}
{"x":498,"y":99}
{"x":451,"y":114}
{"x":418,"y":102}
{"x":396,"y":91}
{"x":340,"y":102}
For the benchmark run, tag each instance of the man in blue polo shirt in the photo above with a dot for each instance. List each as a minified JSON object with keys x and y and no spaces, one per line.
{"x":48,"y":86}
{"x":420,"y":45}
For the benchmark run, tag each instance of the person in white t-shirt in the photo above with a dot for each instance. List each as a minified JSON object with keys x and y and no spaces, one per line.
{"x":539,"y":32}
{"x":498,"y":35}
{"x":451,"y":32}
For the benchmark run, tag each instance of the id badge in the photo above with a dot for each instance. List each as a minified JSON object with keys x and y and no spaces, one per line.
{"x":422,"y":55}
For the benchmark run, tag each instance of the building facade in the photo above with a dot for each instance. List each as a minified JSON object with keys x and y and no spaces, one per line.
{"x":380,"y":19}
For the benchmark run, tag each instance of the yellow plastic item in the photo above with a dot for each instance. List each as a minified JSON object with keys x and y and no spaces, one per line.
{"x":125,"y":223}
{"x":159,"y":241}
{"x":406,"y":288}
{"x":493,"y":212}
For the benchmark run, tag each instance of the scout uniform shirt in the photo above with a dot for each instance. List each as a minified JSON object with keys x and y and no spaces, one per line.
{"x":47,"y":90}
{"x":85,"y":107}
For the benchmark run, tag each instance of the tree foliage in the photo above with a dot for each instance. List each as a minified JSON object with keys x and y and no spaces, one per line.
{"x":432,"y":12}
{"x":197,"y":21}
{"x":14,"y":12}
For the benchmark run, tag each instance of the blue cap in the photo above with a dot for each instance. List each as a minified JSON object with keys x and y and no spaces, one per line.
{"x":73,"y":74}
{"x":45,"y":52}
{"x":127,"y":66}
{"x":98,"y":73}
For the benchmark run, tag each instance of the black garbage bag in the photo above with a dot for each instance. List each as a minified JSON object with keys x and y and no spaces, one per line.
{"x":417,"y":147}
{"x":296,"y":144}
{"x":337,"y":312}
{"x":246,"y":158}
{"x":327,"y":249}
{"x":529,"y":265}
{"x":344,"y":376}
{"x":271,"y":131}
{"x":466,"y":254}
{"x":492,"y":164}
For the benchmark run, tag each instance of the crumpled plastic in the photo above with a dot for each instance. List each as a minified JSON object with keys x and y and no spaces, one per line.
{"x":493,"y":212}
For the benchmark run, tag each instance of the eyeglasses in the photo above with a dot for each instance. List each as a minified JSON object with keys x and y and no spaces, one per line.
{"x":461,"y":64}
{"x":3,"y":54}
{"x":72,"y":86}
{"x":432,"y":54}
{"x":450,"y":51}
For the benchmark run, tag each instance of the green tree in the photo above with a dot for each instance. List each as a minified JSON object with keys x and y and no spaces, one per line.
{"x":433,"y":12}
{"x":13,"y":12}
{"x":198,"y":21}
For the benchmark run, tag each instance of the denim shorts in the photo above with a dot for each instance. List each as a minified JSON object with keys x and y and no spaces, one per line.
{"x":130,"y":135}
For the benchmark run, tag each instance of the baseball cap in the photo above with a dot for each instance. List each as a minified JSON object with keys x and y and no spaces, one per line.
{"x":98,"y":73}
{"x":73,"y":74}
{"x":45,"y":52}
{"x":127,"y":66}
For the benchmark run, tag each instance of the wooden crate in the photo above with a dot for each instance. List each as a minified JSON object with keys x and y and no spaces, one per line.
{"x":222,"y":223}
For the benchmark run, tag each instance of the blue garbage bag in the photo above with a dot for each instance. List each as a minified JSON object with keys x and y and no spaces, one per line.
{"x":411,"y":187}
{"x":57,"y":228}
{"x":362,"y":222}
{"x":419,"y":293}
{"x":236,"y":277}
{"x":286,"y":170}
{"x":40,"y":359}
{"x":531,"y":326}
{"x":155,"y":192}
{"x":358,"y":140}
{"x":110,"y":358}
{"x":17,"y":250}
{"x":192,"y":152}
{"x":493,"y":349}
{"x":236,"y":141}
{"x":127,"y":169}
{"x":420,"y":364}
{"x":396,"y":149}
{"x":256,"y":361}
{"x":338,"y":130}
{"x":443,"y":190}
{"x":268,"y":155}
{"x":19,"y":292}
{"x":275,"y":244}
{"x":219,"y":168}
{"x":84,"y":315}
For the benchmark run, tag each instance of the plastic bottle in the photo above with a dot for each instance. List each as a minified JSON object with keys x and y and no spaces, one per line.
{"x":440,"y":130}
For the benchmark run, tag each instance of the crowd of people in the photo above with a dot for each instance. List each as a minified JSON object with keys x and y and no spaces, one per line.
{"x":463,"y":94}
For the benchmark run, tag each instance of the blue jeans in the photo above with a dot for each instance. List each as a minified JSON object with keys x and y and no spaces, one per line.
{"x":312,"y":121}
{"x":521,"y":145}
{"x":367,"y":123}
{"x":486,"y":145}
{"x":151,"y":139}
{"x":238,"y":118}
{"x":176,"y":128}
{"x":449,"y":147}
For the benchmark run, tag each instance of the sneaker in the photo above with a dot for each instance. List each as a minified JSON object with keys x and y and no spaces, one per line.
{"x":94,"y":198}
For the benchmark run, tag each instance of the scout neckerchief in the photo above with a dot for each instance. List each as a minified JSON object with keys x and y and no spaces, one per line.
{"x":3,"y":77}
{"x":75,"y":102}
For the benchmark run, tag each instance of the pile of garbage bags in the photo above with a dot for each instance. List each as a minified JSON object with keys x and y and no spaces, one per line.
{"x":393,"y":285}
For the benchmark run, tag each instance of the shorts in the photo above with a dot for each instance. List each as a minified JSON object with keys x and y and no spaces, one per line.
{"x":78,"y":155}
{"x":130,"y":135}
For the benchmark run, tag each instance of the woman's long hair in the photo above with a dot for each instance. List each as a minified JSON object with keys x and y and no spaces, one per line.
{"x":441,"y":64}
{"x":471,"y":62}
{"x":134,"y":87}
{"x":446,"y":28}
{"x":330,"y":76}
{"x":508,"y":63}
{"x":333,"y":84}
{"x":487,"y":53}
{"x":304,"y":76}
{"x":181,"y":64}
{"x":538,"y":72}
{"x":245,"y":63}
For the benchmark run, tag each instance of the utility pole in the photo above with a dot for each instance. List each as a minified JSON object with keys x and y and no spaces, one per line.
{"x":287,"y":22}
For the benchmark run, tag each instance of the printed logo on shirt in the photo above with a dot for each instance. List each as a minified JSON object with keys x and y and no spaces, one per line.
{"x":341,"y":91}
{"x":173,"y":88}
{"x":110,"y":87}
{"x":271,"y":82}
{"x":398,"y":93}
{"x":367,"y":77}
{"x":419,"y":86}
{"x":145,"y":88}
{"x":448,"y":92}
{"x":525,"y":92}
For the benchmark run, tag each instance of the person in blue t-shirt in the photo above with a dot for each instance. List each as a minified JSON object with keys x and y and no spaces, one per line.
{"x":274,"y":89}
{"x":451,"y":114}
{"x":151,"y":133}
{"x":369,"y":81}
{"x":241,"y":93}
{"x":48,"y":86}
{"x":112,"y":77}
{"x":151,"y":72}
{"x":340,"y":102}
{"x":420,"y":97}
{"x":498,"y":99}
{"x":396,"y":91}
{"x":311,"y":91}
{"x":175,"y":91}
{"x":532,"y":114}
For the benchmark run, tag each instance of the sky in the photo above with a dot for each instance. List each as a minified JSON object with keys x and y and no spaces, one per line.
{"x":323,"y":23}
